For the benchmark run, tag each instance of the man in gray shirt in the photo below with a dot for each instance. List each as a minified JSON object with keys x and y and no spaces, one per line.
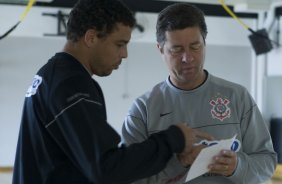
{"x":205,"y":102}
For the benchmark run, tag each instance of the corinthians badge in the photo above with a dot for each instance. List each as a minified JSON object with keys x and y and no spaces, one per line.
{"x":220,"y":109}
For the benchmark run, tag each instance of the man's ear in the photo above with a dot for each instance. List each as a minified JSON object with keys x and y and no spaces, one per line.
{"x":90,"y":37}
{"x":161,"y":49}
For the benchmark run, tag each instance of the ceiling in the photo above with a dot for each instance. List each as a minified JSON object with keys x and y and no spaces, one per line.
{"x":210,"y":7}
{"x":248,"y":4}
{"x":244,"y":8}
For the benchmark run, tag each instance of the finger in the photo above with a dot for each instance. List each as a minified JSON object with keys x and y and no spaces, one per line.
{"x":186,"y":160}
{"x":222,"y":160}
{"x":199,"y":147}
{"x":226,"y":170}
{"x":189,"y":157}
{"x":194,"y":150}
{"x":219,"y":169}
{"x":228,"y":153}
{"x":203,"y":135}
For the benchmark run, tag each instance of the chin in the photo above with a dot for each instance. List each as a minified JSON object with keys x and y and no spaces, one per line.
{"x":108,"y":73}
{"x":104,"y":74}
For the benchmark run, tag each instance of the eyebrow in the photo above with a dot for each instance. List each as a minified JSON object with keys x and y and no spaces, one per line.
{"x":126,"y":41}
{"x":193,"y":43}
{"x":122,"y":41}
{"x":196,"y":42}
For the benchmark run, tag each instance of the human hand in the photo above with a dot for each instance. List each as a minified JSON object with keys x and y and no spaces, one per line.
{"x":187,"y":158}
{"x":224,"y":163}
{"x":191,"y":136}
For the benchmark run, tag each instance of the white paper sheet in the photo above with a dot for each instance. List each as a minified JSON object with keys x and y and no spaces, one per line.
{"x":205,"y":157}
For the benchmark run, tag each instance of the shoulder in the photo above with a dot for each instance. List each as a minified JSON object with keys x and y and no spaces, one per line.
{"x":229,"y":88}
{"x":158,"y":91}
{"x":150,"y":98}
{"x":226,"y":84}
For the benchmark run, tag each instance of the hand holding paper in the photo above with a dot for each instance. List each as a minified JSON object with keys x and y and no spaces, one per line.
{"x":200,"y":165}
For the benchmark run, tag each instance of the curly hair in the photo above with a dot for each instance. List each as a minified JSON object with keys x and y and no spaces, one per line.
{"x":101,"y":15}
{"x":179,"y":16}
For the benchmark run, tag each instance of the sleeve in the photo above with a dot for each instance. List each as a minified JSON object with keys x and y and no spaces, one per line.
{"x":80,"y":129}
{"x":134,"y":130}
{"x":257,"y":160}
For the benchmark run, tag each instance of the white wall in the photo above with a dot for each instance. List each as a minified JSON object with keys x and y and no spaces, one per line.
{"x":274,"y":97}
{"x":273,"y":72}
{"x":137,"y":74}
{"x":20,"y":59}
{"x":229,"y":55}
{"x":232,"y":63}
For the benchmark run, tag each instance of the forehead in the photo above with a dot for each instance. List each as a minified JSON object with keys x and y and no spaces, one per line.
{"x":186,"y":35}
{"x":120,"y":33}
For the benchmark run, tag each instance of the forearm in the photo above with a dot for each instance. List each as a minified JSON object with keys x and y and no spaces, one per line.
{"x":254,"y":168}
{"x":143,"y":159}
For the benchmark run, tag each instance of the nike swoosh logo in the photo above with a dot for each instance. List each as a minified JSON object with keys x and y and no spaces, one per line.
{"x":164,"y":114}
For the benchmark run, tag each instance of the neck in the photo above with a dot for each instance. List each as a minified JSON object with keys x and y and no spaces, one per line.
{"x":78,"y":52}
{"x":192,"y":84}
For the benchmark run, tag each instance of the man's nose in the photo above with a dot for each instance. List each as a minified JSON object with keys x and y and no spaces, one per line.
{"x":124,"y":53}
{"x":187,"y":56}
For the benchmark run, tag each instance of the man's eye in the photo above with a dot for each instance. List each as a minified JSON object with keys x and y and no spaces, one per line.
{"x":120,"y":45}
{"x":196,"y":47}
{"x":175,"y":50}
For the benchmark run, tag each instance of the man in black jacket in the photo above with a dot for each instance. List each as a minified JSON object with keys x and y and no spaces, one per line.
{"x":64,"y":135}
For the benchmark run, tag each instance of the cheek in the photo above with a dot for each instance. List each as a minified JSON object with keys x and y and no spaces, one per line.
{"x":109,"y":55}
{"x":114,"y":53}
{"x":199,"y":57}
{"x":202,"y":55}
{"x":172,"y":63}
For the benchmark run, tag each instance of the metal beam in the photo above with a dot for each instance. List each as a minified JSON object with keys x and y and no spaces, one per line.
{"x":155,"y":6}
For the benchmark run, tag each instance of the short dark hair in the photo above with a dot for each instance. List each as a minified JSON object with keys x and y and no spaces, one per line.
{"x":102,"y":15}
{"x":179,"y":16}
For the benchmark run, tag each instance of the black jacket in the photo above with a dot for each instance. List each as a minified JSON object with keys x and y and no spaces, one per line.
{"x":65,"y":138}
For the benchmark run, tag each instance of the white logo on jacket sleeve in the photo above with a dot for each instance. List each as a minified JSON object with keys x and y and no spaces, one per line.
{"x":34,"y":86}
